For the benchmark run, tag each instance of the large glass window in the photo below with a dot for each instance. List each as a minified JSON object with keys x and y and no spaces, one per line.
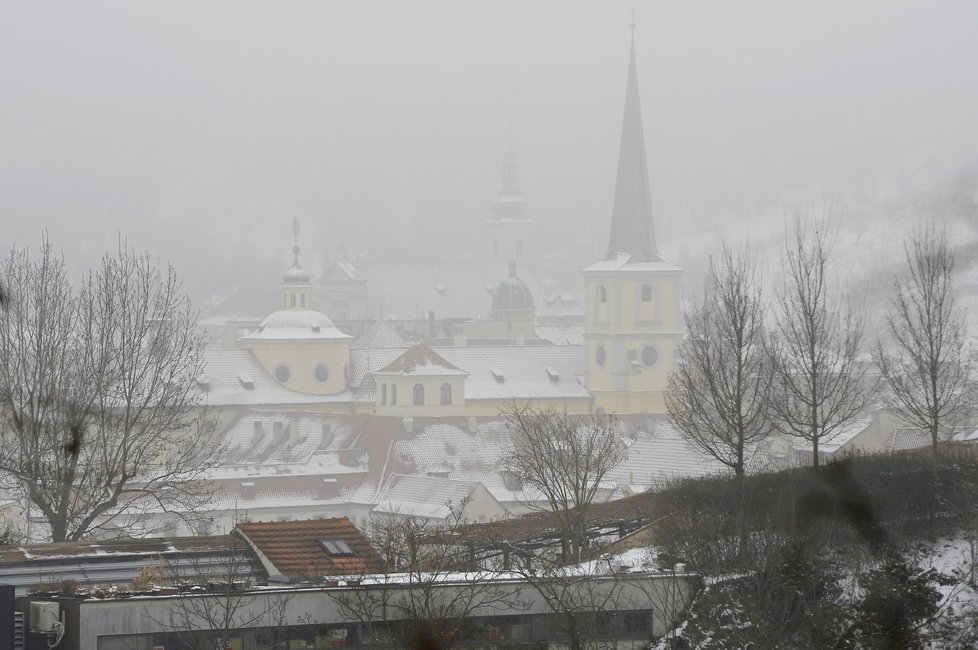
{"x":418,"y":394}
{"x":446,"y":393}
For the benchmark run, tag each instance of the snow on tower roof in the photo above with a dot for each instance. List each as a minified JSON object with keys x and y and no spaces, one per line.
{"x":420,"y":360}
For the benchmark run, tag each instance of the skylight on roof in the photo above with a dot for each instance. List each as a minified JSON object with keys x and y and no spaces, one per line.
{"x":498,"y":374}
{"x":336,"y":547}
{"x":553,"y":374}
{"x":246,"y":381}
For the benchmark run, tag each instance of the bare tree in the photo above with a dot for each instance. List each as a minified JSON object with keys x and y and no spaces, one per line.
{"x":217,"y":606}
{"x":818,"y":385}
{"x":420,"y":601}
{"x":719,"y":396}
{"x":927,"y":371}
{"x":101,"y":418}
{"x":564,"y":458}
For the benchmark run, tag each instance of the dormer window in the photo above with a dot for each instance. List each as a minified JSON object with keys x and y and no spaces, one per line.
{"x":497,"y":374}
{"x":246,"y":381}
{"x":646,"y":293}
{"x":602,"y":294}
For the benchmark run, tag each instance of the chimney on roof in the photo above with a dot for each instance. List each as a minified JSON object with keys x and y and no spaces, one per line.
{"x":278,"y":432}
{"x":472,"y":424}
{"x":431,"y":324}
{"x":327,"y":438}
{"x":408,"y":424}
{"x":247,"y":490}
{"x":258,"y":432}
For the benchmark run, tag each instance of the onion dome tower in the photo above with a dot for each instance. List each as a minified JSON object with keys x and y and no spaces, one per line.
{"x":301,"y":347}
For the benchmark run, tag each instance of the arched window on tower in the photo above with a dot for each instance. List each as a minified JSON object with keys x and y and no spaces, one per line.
{"x":601,"y":312}
{"x":446,"y":393}
{"x":602,"y":294}
{"x":302,"y":300}
{"x":394,"y":394}
{"x":383,"y":393}
{"x":646,"y":306}
{"x":292,"y":300}
{"x":418,"y":395}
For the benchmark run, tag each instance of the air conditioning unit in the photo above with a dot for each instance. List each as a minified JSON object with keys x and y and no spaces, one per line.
{"x":45,"y":617}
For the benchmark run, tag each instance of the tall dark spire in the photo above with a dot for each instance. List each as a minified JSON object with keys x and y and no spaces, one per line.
{"x":631,"y":218}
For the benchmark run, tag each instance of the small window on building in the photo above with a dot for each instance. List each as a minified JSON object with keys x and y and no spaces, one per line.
{"x":650,"y":356}
{"x":633,"y":359}
{"x":322,"y":373}
{"x":291,"y":300}
{"x":646,"y":293}
{"x":302,"y":300}
{"x":602,"y":294}
{"x":600,"y":356}
{"x":446,"y":393}
{"x":394,"y":394}
{"x":418,"y":394}
{"x":383,"y":393}
{"x":282,"y":373}
{"x":336,"y":547}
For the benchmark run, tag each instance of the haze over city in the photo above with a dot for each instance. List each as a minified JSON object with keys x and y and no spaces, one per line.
{"x":200,"y":131}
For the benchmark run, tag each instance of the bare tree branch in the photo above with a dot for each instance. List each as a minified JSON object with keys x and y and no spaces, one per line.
{"x":926,"y":368}
{"x":719,"y":397}
{"x":97,"y":393}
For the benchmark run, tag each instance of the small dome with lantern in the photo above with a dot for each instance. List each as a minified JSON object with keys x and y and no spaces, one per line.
{"x":512,"y":293}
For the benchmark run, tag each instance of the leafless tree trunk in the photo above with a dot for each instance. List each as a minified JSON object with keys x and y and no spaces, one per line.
{"x":927,"y":369}
{"x":101,"y":418}
{"x":818,"y":385}
{"x":719,"y":396}
{"x":565,"y":459}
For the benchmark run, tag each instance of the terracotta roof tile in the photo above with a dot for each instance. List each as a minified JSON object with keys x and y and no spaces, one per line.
{"x":293,"y":549}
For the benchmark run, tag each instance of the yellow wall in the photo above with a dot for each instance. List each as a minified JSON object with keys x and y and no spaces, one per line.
{"x":624,"y":325}
{"x":405,"y":406}
{"x":302,"y":357}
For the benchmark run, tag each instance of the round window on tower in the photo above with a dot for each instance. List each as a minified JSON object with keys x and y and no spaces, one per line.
{"x":322,"y":373}
{"x":650,"y":356}
{"x":282,"y":373}
{"x":599,"y":356}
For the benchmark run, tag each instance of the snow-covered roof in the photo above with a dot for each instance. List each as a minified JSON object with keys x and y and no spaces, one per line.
{"x":422,"y":496}
{"x":623,"y":263}
{"x":521,"y":371}
{"x":561,"y":335}
{"x":234,"y":377}
{"x":379,"y":335}
{"x":518,"y":372}
{"x":835,"y":441}
{"x":296,"y":325}
{"x":656,"y":453}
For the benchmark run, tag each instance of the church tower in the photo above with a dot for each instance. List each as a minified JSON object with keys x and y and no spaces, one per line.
{"x":509,"y":232}
{"x":633,"y":296}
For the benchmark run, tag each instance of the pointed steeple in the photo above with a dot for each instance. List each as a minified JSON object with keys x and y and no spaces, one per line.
{"x":631,"y":218}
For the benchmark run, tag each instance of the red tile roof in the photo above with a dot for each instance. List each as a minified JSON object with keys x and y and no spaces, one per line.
{"x":292,"y":547}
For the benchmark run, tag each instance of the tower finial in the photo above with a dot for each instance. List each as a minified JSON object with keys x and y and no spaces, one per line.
{"x":296,"y":229}
{"x":631,"y":25}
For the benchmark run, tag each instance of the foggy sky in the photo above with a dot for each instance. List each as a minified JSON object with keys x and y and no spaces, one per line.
{"x":199,"y":130}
